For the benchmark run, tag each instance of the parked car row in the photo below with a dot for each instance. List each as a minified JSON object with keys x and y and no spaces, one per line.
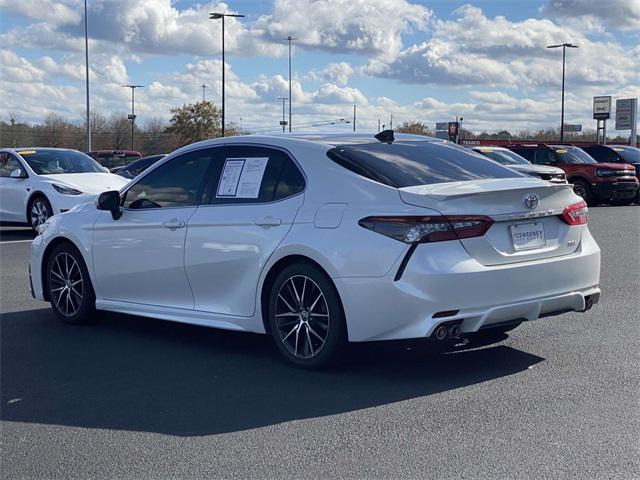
{"x":598,"y":173}
{"x":288,"y":235}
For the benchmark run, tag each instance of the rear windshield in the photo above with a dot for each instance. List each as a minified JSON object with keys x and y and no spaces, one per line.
{"x":117,"y":160}
{"x":406,"y":164}
{"x":505,"y":157}
{"x":51,"y":162}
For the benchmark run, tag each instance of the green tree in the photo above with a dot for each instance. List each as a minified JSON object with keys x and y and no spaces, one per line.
{"x":417,"y":128}
{"x":194,"y":122}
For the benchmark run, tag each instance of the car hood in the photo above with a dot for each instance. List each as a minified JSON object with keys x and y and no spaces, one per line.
{"x":613,"y":166}
{"x":537,"y":169}
{"x":92,"y":183}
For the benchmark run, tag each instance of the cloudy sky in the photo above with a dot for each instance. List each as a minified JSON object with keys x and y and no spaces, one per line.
{"x":425,"y":60}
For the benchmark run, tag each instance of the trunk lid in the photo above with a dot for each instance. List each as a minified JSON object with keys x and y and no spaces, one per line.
{"x":504,"y":201}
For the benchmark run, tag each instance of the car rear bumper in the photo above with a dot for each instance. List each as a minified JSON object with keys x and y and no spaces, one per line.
{"x":442,"y":277}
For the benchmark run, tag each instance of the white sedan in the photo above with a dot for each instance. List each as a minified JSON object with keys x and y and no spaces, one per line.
{"x":320,"y":241}
{"x":36,"y":183}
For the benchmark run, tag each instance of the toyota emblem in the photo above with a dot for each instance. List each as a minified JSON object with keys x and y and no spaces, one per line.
{"x":531,"y":200}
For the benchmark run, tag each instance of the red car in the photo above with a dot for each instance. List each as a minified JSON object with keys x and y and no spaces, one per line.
{"x":595,"y":182}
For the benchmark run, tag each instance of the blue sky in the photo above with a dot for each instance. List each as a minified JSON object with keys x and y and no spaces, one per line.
{"x":418,"y":60}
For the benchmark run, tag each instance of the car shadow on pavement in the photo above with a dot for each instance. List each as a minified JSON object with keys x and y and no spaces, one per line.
{"x":138,"y":374}
{"x":10,"y":234}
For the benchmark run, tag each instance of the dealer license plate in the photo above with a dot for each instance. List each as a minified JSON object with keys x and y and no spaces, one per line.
{"x":527,"y":236}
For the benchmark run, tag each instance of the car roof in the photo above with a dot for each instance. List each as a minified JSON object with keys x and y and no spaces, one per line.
{"x":492,"y":147}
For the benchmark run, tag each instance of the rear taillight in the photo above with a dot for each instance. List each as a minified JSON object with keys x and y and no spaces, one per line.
{"x":410,"y":229}
{"x":576,"y":214}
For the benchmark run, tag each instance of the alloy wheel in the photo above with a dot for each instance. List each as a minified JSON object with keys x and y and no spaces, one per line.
{"x":302,"y":316}
{"x":66,"y":284}
{"x":39,"y":213}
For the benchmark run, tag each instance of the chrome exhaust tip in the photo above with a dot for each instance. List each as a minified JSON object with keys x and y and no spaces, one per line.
{"x":454,"y":331}
{"x":440,"y":332}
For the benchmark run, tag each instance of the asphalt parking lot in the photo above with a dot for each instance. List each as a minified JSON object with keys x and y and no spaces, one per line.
{"x":129,"y":397}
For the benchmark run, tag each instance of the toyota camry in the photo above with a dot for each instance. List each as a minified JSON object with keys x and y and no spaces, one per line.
{"x":319,"y":241}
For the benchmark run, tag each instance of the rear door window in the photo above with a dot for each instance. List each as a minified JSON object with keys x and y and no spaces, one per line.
{"x":406,"y":164}
{"x":253,"y":174}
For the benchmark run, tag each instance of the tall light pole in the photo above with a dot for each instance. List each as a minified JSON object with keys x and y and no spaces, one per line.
{"x":203,"y":87}
{"x":86,"y":65}
{"x":132,"y":117}
{"x":283,"y":122}
{"x":564,"y":50}
{"x":290,"y":39}
{"x":218,"y":16}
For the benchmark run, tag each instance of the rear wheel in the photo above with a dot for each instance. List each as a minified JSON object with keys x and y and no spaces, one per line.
{"x":39,"y":211}
{"x":69,"y":286}
{"x":305,"y":317}
{"x":583,"y":189}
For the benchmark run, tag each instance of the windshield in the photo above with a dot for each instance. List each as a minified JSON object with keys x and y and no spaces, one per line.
{"x":406,"y":164}
{"x":574,"y":155}
{"x":52,"y":162}
{"x":630,"y":154}
{"x":505,"y":157}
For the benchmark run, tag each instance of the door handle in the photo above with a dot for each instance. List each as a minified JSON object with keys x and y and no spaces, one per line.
{"x":268,"y":222}
{"x":174,"y":224}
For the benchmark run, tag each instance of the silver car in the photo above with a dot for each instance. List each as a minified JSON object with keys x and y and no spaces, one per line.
{"x":515,"y":162}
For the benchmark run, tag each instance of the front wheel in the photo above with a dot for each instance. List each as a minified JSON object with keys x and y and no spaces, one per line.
{"x":69,"y":286}
{"x":39,"y":212}
{"x":583,"y":189}
{"x":306,"y":319}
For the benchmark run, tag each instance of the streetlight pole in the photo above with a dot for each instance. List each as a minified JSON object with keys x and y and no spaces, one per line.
{"x":203,"y":87}
{"x":283,"y":122}
{"x":290,"y":39}
{"x":564,"y":49}
{"x":86,"y":60}
{"x":218,"y":16}
{"x":354,"y":117}
{"x":132,"y":117}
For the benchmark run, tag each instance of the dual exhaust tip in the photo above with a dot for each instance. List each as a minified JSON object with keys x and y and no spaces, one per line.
{"x":443,"y":332}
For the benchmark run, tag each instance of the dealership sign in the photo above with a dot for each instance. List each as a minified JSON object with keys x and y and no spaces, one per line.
{"x":601,"y":108}
{"x":572,"y":128}
{"x":626,"y":109}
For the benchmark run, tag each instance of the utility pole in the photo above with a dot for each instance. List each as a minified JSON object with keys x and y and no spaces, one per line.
{"x":378,"y":125}
{"x":86,"y":67}
{"x":354,"y":117}
{"x":203,"y":87}
{"x":564,"y":49}
{"x":290,"y":39}
{"x":132,"y":117}
{"x":391,"y":123}
{"x":283,"y":122}
{"x":218,"y":16}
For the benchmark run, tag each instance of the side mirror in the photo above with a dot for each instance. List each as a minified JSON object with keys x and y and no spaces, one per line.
{"x":18,"y":173}
{"x":110,"y":201}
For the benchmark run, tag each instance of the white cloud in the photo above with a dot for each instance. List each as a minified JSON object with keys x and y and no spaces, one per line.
{"x":618,"y":14}
{"x":473,"y":49}
{"x":345,"y":25}
{"x":57,"y":13}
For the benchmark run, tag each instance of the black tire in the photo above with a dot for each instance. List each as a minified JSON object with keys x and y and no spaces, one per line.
{"x":38,"y":211}
{"x":69,"y":286}
{"x":306,"y":320}
{"x":583,"y":189}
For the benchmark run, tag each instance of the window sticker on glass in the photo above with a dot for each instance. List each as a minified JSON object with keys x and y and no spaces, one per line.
{"x":242,"y":177}
{"x":561,"y":150}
